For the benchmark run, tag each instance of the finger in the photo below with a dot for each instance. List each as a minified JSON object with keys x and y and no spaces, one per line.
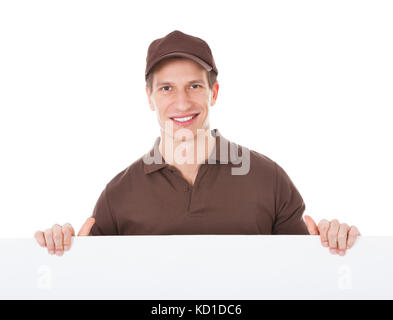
{"x":352,"y":236}
{"x":342,"y":238}
{"x":323,"y":227}
{"x":68,"y":233}
{"x":311,"y":225}
{"x":58,"y":239}
{"x":85,"y":229}
{"x":332,"y":235}
{"x":49,"y":241}
{"x":39,"y":236}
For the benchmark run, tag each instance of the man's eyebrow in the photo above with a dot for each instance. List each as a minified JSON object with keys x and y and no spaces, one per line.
{"x":169,"y":83}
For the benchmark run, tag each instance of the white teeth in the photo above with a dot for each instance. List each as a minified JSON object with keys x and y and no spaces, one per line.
{"x":183,"y":119}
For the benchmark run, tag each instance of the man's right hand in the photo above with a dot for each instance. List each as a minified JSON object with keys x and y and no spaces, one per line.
{"x":58,"y":238}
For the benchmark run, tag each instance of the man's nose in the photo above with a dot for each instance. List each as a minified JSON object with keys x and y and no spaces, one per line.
{"x":183,"y":101}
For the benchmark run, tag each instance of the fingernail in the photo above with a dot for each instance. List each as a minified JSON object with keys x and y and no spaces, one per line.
{"x":51,"y":252}
{"x":66,"y":248}
{"x":59,"y":252}
{"x":341,"y":252}
{"x":325,"y":244}
{"x":333,"y":251}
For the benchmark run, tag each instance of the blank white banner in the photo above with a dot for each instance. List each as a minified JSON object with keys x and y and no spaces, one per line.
{"x":197,"y":267}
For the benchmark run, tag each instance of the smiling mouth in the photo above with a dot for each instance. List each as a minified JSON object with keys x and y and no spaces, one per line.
{"x":184,"y":120}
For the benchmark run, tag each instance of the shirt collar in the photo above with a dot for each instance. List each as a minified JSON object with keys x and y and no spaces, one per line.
{"x":153,"y":160}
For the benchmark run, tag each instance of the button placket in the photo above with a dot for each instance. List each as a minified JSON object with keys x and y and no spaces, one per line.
{"x":186,"y":187}
{"x":189,"y":190}
{"x":201,"y":172}
{"x":187,"y":195}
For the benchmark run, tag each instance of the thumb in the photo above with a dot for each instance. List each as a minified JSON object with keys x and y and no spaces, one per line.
{"x":85,"y":229}
{"x":311,"y":225}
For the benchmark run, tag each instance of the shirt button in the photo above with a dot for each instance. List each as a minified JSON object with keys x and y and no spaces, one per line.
{"x":185,"y":188}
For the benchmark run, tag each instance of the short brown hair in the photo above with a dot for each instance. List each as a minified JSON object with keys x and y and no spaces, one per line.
{"x":211,"y":77}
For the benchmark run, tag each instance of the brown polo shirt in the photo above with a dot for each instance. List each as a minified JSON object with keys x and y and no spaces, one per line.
{"x":155,"y":199}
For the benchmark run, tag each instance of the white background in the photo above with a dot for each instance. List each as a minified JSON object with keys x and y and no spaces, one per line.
{"x":307,"y":83}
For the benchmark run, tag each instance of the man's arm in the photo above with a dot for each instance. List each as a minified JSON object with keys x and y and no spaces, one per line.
{"x":289,"y":206}
{"x":105,"y":223}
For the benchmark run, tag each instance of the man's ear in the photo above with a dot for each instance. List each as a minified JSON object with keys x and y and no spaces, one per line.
{"x":214,"y":93}
{"x":149,"y":99}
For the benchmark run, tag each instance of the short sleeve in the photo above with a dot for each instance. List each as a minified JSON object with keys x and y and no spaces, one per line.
{"x":289,"y":206}
{"x":104,"y":223}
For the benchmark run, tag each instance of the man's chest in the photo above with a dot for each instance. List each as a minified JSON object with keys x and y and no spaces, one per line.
{"x":216,"y":204}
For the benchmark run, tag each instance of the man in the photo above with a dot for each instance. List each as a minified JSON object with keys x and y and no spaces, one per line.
{"x":193,"y":180}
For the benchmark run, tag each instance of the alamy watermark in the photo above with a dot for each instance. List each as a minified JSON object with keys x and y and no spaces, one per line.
{"x":44,"y":281}
{"x":184,"y":152}
{"x":345,"y":278}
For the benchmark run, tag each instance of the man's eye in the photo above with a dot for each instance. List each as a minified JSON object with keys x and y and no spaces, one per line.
{"x":167,"y":88}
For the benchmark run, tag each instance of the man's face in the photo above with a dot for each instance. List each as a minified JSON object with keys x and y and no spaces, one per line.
{"x":181,"y":96}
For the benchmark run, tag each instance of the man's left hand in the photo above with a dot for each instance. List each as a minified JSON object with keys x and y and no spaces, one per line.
{"x":338,"y":236}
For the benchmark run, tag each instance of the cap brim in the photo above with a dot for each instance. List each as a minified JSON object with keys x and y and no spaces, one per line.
{"x":184,"y":55}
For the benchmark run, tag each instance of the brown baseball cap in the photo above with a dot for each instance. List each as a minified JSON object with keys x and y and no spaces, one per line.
{"x":179,"y":44}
